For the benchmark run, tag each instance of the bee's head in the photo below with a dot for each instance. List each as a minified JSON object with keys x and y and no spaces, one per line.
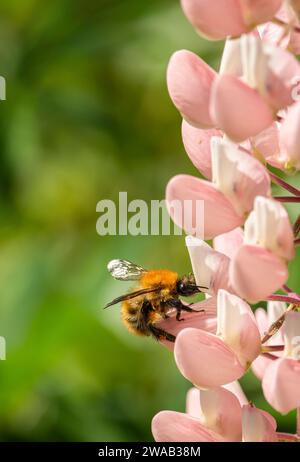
{"x":186,"y":286}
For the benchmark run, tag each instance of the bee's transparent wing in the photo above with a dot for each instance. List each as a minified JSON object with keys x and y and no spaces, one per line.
{"x":124,"y":270}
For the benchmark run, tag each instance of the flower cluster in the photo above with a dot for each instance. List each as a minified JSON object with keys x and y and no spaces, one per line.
{"x":239,"y":124}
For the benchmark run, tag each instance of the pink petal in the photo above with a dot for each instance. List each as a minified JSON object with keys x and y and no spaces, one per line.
{"x":266,"y":144}
{"x":290,"y":137}
{"x":283,"y":75}
{"x":229,"y":243}
{"x":260,"y":365}
{"x":193,"y":403}
{"x":169,"y":426}
{"x":273,"y":33}
{"x":211,"y":268}
{"x":188,"y":188}
{"x":222,"y":413}
{"x":236,"y":389}
{"x":205,"y":320}
{"x":259,"y":11}
{"x":257,"y":426}
{"x":261,"y":317}
{"x":238,"y":109}
{"x":255,"y":273}
{"x":237,"y":327}
{"x":281,"y":384}
{"x":206,"y":349}
{"x":197,"y":145}
{"x":189,"y":82}
{"x":215,"y":19}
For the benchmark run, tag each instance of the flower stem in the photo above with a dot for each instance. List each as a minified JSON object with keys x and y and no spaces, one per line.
{"x":293,"y":298}
{"x":297,"y":227}
{"x":272,"y":348}
{"x":287,"y":199}
{"x":274,"y":328}
{"x":298,"y":423}
{"x":269,"y":356}
{"x":287,"y":289}
{"x":284,"y":184}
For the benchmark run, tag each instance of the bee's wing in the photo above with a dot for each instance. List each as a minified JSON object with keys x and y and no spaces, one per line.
{"x":124,"y":270}
{"x":131,"y":295}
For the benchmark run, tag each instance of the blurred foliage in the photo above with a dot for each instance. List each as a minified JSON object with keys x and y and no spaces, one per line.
{"x":87,"y":115}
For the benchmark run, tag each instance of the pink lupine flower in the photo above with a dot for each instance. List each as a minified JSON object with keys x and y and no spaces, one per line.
{"x":214,"y":415}
{"x":235,"y":123}
{"x":231,"y":351}
{"x":282,"y":376}
{"x":287,"y":36}
{"x":237,"y":179}
{"x":256,"y":80}
{"x":259,"y":267}
{"x":221,"y":18}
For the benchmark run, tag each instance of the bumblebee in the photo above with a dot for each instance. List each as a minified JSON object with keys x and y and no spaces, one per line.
{"x":157,"y":293}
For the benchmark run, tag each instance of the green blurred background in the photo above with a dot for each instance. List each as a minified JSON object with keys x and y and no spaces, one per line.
{"x":87,"y":115}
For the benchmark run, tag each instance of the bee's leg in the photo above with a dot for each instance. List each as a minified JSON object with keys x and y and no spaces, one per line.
{"x":178,"y":314}
{"x":161,"y":334}
{"x":179,"y":306}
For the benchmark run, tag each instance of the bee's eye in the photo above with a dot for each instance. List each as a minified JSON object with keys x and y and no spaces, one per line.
{"x":181,"y":287}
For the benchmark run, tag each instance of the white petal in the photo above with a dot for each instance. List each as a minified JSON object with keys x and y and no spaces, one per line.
{"x":203,"y":261}
{"x":292,"y":335}
{"x":255,"y":62}
{"x":231,"y":59}
{"x":225,"y":157}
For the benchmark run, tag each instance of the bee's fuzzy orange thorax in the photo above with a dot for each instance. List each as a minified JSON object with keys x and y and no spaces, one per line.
{"x":163,"y":278}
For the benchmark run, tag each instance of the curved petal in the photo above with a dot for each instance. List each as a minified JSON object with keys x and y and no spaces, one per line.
{"x":193,"y":403}
{"x":211,"y":268}
{"x":269,"y":226}
{"x":237,"y":327}
{"x":238,"y":109}
{"x":290,"y":137}
{"x":215,"y":20}
{"x":170,"y":426}
{"x":197,"y":145}
{"x":229,"y":243}
{"x":266,"y":144}
{"x":281,"y":384}
{"x":257,"y":427}
{"x":207,"y":350}
{"x":284,"y":73}
{"x":260,"y":365}
{"x":255,"y":273}
{"x":183,"y":188}
{"x":189,"y":82}
{"x":236,"y":389}
{"x":221,"y":412}
{"x":238,"y":175}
